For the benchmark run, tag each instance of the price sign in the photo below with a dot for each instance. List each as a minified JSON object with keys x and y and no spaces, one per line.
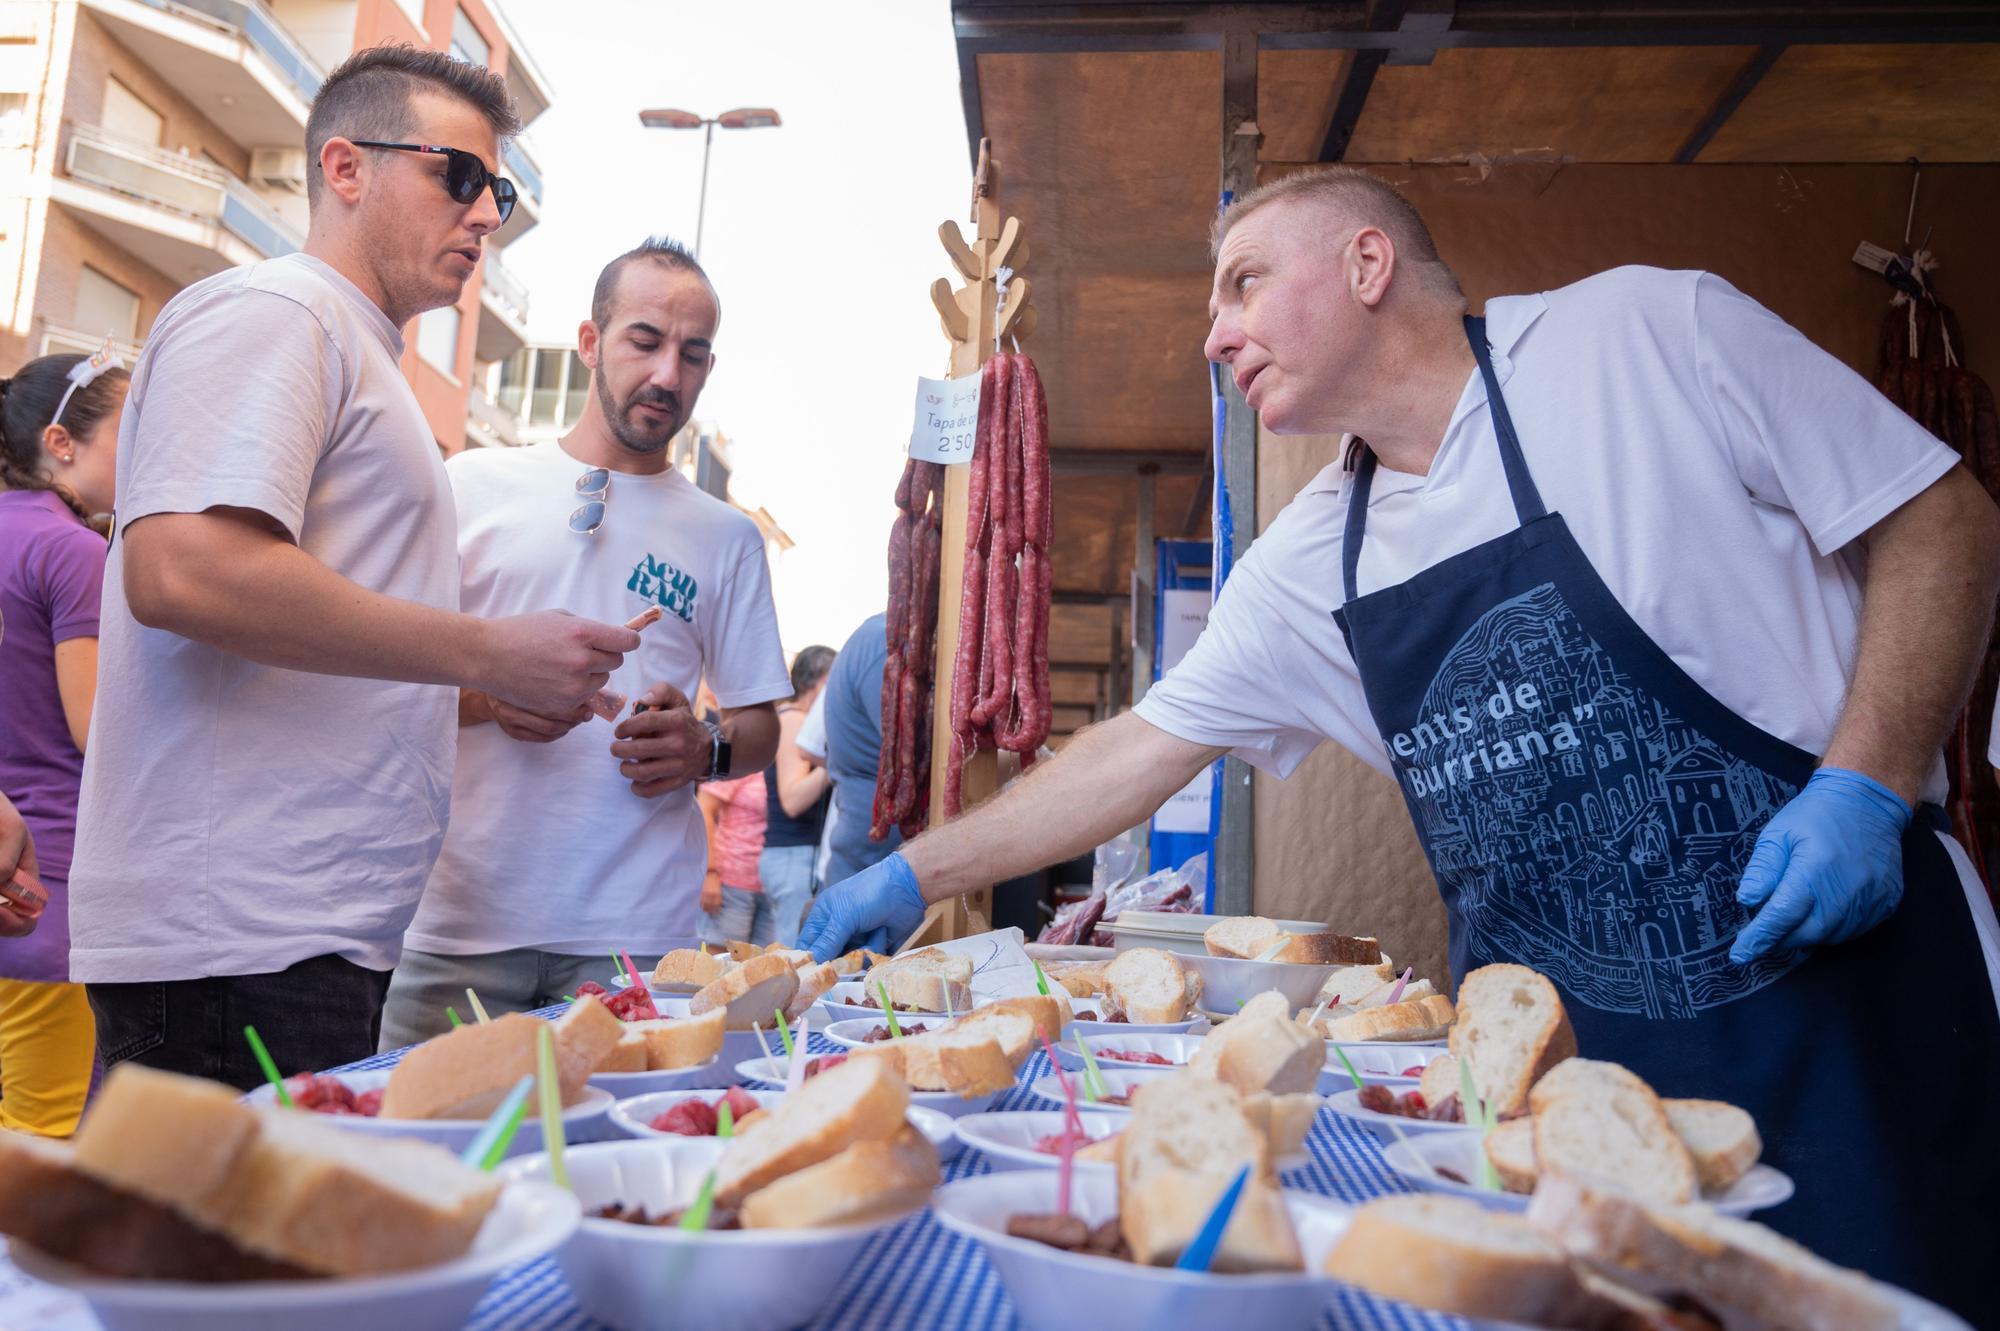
{"x":946,"y":423}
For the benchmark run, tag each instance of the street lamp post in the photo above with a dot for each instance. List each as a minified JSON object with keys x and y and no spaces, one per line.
{"x":743,"y":117}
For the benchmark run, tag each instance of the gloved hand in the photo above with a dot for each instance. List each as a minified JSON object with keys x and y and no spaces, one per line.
{"x":1828,"y":866}
{"x":877,"y":908}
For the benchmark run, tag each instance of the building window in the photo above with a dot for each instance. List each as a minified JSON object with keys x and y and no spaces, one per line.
{"x":466,"y":42}
{"x":128,"y":118}
{"x":13,"y":119}
{"x":576,"y":391}
{"x":413,"y":10}
{"x":437,"y":338}
{"x":514,"y":374}
{"x":104,"y":306}
{"x":545,"y":400}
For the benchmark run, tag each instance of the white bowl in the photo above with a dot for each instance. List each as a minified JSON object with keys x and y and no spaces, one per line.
{"x":1060,"y":1290}
{"x":636,"y":1117}
{"x":1096,"y":1003}
{"x":587,"y":1120}
{"x":1049,"y":1088}
{"x":736,"y":1045}
{"x":848,"y":1034}
{"x":771,"y":1073}
{"x":1179,"y":1048}
{"x":842,"y":1002}
{"x":1386,"y":1127}
{"x":1227,"y":983}
{"x":625,"y":1085}
{"x":645,"y":1278}
{"x":1386,"y":1063}
{"x":1417,"y":1159}
{"x":1007,"y":1139}
{"x":528,"y":1220}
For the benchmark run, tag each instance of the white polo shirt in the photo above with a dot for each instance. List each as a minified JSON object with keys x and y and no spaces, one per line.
{"x":1714,"y":465}
{"x":549,"y":847}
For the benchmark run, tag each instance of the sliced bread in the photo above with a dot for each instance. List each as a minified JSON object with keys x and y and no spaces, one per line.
{"x":1185,"y":1140}
{"x":1511,"y":1025}
{"x":1149,"y":986}
{"x":814,"y":980}
{"x":867,"y":1180}
{"x":1439,"y":1080}
{"x":680,"y":1042}
{"x":1283,"y":1119}
{"x":1737,"y":1268}
{"x":1424,"y":1018}
{"x":587,"y":1034}
{"x":628,"y":1055}
{"x":751,"y":994}
{"x":863,"y":1099}
{"x":1252,"y":936}
{"x":1721,"y":1137}
{"x":1081,"y":978}
{"x":1452,"y":1255}
{"x":690,"y":969}
{"x":1597,"y":1120}
{"x":1510,"y":1148}
{"x":171,"y":1139}
{"x":466,"y":1072}
{"x":1350,"y":982}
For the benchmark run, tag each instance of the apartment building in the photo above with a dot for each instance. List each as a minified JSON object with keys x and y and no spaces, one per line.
{"x":146,"y":144}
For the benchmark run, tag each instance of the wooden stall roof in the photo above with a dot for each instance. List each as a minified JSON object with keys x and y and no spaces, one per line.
{"x":1105,"y":120}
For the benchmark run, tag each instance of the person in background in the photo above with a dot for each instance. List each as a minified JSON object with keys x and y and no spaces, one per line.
{"x":795,"y":797}
{"x":17,"y":855}
{"x":733,"y":902}
{"x":570,"y":838}
{"x":269,"y":774}
{"x":58,"y":455}
{"x":851,"y":708}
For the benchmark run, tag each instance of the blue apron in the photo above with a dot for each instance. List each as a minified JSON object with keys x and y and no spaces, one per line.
{"x":1588,"y":809}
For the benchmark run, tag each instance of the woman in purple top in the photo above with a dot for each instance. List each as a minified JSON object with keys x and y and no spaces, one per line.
{"x":58,"y":455}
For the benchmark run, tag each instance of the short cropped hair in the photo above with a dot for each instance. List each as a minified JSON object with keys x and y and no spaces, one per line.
{"x":1361,"y":199}
{"x":663,"y":250}
{"x":368,"y":97}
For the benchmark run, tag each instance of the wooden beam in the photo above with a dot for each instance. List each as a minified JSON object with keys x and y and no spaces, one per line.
{"x":1725,"y":106}
{"x":1124,"y":461}
{"x":1144,"y":594}
{"x":1354,"y":88}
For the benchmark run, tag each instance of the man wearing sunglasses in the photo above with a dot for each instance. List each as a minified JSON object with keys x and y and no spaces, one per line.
{"x":570,"y":838}
{"x":269,"y":772}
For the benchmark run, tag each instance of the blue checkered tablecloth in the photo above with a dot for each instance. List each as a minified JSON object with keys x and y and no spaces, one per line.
{"x":920,"y":1275}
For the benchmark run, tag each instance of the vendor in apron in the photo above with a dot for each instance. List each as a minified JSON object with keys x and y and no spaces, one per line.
{"x":1661,"y":738}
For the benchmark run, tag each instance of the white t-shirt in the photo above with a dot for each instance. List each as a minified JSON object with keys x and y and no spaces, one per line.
{"x":549,"y":847}
{"x":811,"y":739}
{"x":234,"y":817}
{"x":1710,"y":460}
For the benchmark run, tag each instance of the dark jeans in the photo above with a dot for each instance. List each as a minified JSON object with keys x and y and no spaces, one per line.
{"x":315,"y":1014}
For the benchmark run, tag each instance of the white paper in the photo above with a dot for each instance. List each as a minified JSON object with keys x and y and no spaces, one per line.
{"x":1186,"y":810}
{"x":946,"y":424}
{"x":1183,"y":615}
{"x":1000,"y":965}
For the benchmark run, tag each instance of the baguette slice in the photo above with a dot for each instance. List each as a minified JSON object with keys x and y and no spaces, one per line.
{"x":1417,"y":1019}
{"x":1439,"y":1080}
{"x":1186,"y":1138}
{"x":1599,"y":1120}
{"x":977,"y":1054}
{"x":1454,"y":1256}
{"x":174,"y":1140}
{"x":752,"y":994}
{"x":1511,"y":1149}
{"x":465,"y":1073}
{"x":680,"y":1042}
{"x":1082,"y":979}
{"x":741,"y":952}
{"x":1512,"y":1026}
{"x":690,"y":969}
{"x":1261,"y":1049}
{"x":628,"y":1055}
{"x":315,"y":1195}
{"x":1240,"y":936}
{"x":1737,"y":1268}
{"x":1350,"y":982}
{"x":1721,"y":1137}
{"x":47,"y":1202}
{"x":924,"y":991}
{"x":1149,"y":986}
{"x":867,"y":1180}
{"x":1251,"y":936}
{"x":1378,"y":995}
{"x":860,"y":1100}
{"x":587,"y":1034}
{"x":1283,"y":1119}
{"x":814,"y":980}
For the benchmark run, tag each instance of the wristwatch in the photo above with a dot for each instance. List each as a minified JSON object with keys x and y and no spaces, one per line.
{"x":718,"y":753}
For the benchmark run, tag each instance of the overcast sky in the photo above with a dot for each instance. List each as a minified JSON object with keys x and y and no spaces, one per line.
{"x":821,"y":238}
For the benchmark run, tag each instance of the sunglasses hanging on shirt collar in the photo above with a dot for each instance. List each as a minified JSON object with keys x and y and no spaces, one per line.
{"x":464,"y":175}
{"x":594,"y":486}
{"x":86,"y":372}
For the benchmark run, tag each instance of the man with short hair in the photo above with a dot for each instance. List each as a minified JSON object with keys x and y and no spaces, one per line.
{"x":1595,"y":598}
{"x":269,"y":772}
{"x":570,"y":839}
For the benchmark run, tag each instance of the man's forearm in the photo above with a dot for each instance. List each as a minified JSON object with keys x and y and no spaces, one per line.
{"x":253,"y":594}
{"x":753,"y":737}
{"x":1933,"y":573}
{"x":1110,"y":777}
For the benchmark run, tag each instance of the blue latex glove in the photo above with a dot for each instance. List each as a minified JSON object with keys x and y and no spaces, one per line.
{"x":1828,"y":866}
{"x":877,"y":908}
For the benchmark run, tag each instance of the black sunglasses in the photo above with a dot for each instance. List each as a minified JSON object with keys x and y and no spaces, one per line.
{"x":464,"y":175}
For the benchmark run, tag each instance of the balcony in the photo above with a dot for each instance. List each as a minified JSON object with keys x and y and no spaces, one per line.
{"x":518,"y":166}
{"x":57,"y":340}
{"x":231,"y":58}
{"x":488,"y":422}
{"x":184,"y":217}
{"x":503,"y":313}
